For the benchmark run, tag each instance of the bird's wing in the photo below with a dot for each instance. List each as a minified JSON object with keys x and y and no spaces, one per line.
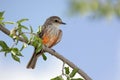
{"x":58,"y":38}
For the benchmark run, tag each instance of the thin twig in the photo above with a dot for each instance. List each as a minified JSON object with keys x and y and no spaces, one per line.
{"x":63,"y":67}
{"x":83,"y":74}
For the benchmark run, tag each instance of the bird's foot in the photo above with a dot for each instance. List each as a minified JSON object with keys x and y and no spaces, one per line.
{"x":53,"y":50}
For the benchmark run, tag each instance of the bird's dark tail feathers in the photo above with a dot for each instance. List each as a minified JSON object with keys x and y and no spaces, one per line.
{"x":33,"y":60}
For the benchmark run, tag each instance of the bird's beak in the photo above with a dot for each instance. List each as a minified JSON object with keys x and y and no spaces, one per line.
{"x":63,"y":23}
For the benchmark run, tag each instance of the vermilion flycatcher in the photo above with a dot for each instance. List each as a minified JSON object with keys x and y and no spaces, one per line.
{"x":50,"y":35}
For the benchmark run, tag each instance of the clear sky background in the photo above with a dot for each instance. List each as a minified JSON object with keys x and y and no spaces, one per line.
{"x":93,"y":45}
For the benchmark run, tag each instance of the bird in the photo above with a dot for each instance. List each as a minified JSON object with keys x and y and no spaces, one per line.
{"x":50,"y":35}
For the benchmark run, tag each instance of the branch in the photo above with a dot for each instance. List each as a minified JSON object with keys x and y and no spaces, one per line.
{"x":7,"y":32}
{"x":56,"y":54}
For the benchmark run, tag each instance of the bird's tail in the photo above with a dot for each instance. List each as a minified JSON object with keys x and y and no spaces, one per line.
{"x":33,"y":60}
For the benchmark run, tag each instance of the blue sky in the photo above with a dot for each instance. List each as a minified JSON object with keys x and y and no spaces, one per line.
{"x":93,"y":45}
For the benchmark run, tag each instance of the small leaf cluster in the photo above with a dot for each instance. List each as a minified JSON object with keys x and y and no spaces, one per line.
{"x":16,"y":33}
{"x":15,"y":52}
{"x":69,"y":75}
{"x":36,"y":42}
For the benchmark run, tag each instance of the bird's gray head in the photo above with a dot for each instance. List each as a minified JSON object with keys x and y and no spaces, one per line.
{"x":54,"y":20}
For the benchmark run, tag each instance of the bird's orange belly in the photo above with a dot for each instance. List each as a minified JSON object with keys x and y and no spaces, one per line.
{"x":48,"y":41}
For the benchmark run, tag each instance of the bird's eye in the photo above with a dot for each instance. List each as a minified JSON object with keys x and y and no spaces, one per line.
{"x":56,"y":20}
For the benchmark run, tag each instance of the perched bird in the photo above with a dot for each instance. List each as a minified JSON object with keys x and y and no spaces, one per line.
{"x":50,"y":35}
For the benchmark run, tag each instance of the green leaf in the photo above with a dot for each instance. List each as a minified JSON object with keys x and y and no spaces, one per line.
{"x":77,"y":79}
{"x":24,"y":36}
{"x":39,"y":47}
{"x":7,"y":50}
{"x":1,"y":17}
{"x":19,"y":31}
{"x":8,"y":22}
{"x":20,"y":27}
{"x":31,"y":30}
{"x":35,"y":41}
{"x":22,"y":20}
{"x":74,"y":71}
{"x":23,"y":46}
{"x":16,"y":58}
{"x":1,"y":14}
{"x":16,"y":52}
{"x":39,"y":29}
{"x":24,"y":27}
{"x":57,"y":78}
{"x":67,"y":71}
{"x":44,"y":57}
{"x":31,"y":38}
{"x":3,"y":45}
